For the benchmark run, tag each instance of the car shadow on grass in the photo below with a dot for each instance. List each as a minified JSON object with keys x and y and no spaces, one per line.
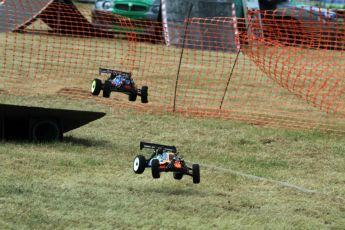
{"x":76,"y":141}
{"x":85,"y":142}
{"x":176,"y":191}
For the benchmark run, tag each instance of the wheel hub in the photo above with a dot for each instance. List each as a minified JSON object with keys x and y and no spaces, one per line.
{"x":136,"y":164}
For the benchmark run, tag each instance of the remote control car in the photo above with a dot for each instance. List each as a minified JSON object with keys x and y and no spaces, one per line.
{"x":165,"y":159}
{"x":118,"y":82}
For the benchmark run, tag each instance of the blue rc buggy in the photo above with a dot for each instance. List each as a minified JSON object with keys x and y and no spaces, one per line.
{"x":119,"y":82}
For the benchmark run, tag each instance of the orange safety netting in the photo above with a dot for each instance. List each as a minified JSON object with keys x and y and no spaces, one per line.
{"x":274,"y":68}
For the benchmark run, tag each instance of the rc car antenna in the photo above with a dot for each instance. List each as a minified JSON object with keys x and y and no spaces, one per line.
{"x":183,"y":43}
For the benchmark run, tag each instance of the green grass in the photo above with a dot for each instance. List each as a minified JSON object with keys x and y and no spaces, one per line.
{"x":251,"y":177}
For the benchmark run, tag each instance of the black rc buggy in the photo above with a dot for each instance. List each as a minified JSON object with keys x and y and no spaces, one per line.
{"x":165,"y":159}
{"x":119,"y":82}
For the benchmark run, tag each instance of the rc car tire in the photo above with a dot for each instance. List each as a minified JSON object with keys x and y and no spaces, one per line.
{"x":139,"y":164}
{"x":196,"y":173}
{"x":107,"y":89}
{"x":155,"y":168}
{"x":132,"y":96}
{"x":144,"y":94}
{"x":177,"y":175}
{"x":96,"y":86}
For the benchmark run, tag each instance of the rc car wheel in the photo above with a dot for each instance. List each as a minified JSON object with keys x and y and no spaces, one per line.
{"x":139,"y":164}
{"x":196,"y":173}
{"x":155,"y":168}
{"x":107,"y":89}
{"x":96,"y":86}
{"x":132,"y":96}
{"x":177,"y":175}
{"x":144,"y":94}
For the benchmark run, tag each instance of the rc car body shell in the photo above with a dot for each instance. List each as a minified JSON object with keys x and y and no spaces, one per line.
{"x":166,"y":158}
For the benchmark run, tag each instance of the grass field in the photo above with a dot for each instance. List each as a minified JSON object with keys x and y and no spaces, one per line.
{"x":251,"y":177}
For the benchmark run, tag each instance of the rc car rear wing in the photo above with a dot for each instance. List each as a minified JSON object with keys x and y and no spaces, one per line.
{"x":156,"y":146}
{"x":114,"y":72}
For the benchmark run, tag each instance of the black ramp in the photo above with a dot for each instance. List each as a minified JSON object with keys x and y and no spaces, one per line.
{"x":60,"y":15}
{"x":18,"y":120}
{"x":64,"y":17}
{"x":16,"y":13}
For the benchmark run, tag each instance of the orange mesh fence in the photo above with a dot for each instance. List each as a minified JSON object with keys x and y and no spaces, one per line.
{"x":271,"y":68}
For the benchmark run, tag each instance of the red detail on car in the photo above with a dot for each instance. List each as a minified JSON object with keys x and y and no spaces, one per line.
{"x":178,"y":164}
